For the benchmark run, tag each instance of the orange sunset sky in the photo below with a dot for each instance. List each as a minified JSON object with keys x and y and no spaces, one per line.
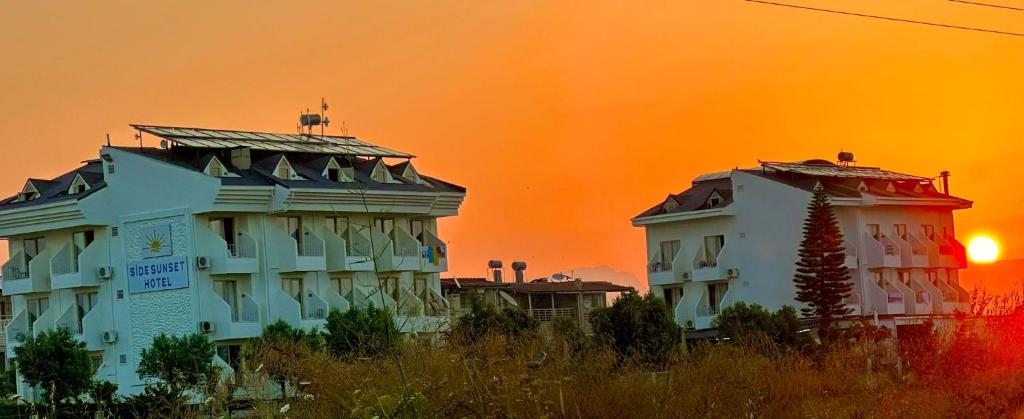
{"x":564,"y":119}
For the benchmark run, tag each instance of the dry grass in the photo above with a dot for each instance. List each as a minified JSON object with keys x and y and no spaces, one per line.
{"x":497,"y":378}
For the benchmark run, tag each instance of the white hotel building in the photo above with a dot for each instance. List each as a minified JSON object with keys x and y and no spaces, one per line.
{"x":733,"y":236}
{"x":222,"y":232}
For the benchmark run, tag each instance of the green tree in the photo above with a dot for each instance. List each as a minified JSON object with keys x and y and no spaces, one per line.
{"x":638,"y":327}
{"x":356,"y":333}
{"x":484,"y":319}
{"x":822,"y":280}
{"x":181,"y":362}
{"x":56,"y":363}
{"x":278,"y":351}
{"x":746,"y":324}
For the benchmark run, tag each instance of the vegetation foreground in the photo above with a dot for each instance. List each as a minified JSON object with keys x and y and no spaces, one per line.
{"x":503,"y":364}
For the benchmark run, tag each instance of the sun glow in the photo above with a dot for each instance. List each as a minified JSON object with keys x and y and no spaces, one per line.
{"x":983,"y":249}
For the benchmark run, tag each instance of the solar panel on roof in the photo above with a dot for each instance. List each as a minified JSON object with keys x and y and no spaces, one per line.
{"x":209,"y":138}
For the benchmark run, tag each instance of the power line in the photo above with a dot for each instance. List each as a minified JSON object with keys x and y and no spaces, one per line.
{"x":892,"y":19}
{"x":997,"y":6}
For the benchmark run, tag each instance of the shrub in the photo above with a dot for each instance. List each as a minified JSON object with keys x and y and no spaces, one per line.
{"x":279,"y":351}
{"x":361,"y":333}
{"x":749,"y":324}
{"x":181,"y":362}
{"x":57,"y":363}
{"x":484,"y":319}
{"x":638,"y":327}
{"x":8,"y":381}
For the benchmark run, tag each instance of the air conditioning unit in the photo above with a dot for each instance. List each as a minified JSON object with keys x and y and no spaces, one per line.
{"x":686,"y":276}
{"x":110,"y":336}
{"x":105,"y":272}
{"x":732,"y":273}
{"x":206,"y":326}
{"x":202,"y":262}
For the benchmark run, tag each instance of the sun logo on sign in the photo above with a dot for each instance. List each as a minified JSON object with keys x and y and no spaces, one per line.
{"x":155,"y":242}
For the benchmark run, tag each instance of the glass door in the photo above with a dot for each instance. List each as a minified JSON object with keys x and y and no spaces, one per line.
{"x":228,"y":291}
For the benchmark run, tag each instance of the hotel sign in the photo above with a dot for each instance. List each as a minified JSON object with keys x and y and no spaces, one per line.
{"x":158,"y":274}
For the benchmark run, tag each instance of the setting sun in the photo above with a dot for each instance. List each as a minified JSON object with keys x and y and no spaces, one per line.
{"x":983,"y":249}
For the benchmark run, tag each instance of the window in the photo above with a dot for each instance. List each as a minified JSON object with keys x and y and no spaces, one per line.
{"x":904,"y":277}
{"x":293,"y":287}
{"x":284,"y":170}
{"x":33,"y":247}
{"x":933,"y":277}
{"x":716,"y":292}
{"x":228,"y":291}
{"x":391,"y":287}
{"x":875,"y":231}
{"x":333,"y":174}
{"x":385,"y":225}
{"x":79,"y":241}
{"x":78,"y":185}
{"x":224,"y":227}
{"x":713,"y":202}
{"x":945,"y":232}
{"x":230,"y":354}
{"x":337,"y":225}
{"x":669,"y":250}
{"x":673,"y":296}
{"x":712,"y":247}
{"x":293,"y":226}
{"x":215,"y":170}
{"x":28,"y":193}
{"x":343,"y":286}
{"x":416,"y":229}
{"x":928,"y":231}
{"x":85,"y":301}
{"x":879,"y":278}
{"x":901,"y":231}
{"x":36,"y":307}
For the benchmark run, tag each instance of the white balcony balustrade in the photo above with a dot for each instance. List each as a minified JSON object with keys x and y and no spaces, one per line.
{"x":68,"y":270}
{"x":853,"y":302}
{"x":16,"y":326}
{"x":397,"y":251}
{"x":952,"y":253}
{"x":882,"y":252}
{"x":314,"y":307}
{"x":238,"y":257}
{"x":238,"y":322}
{"x":954,"y":297}
{"x":935,"y":296}
{"x":707,"y":310}
{"x":433,"y":254}
{"x":550,"y":314}
{"x":409,"y":305}
{"x":664,"y":273}
{"x":22,"y":278}
{"x":710,"y":267}
{"x":919,"y":256}
{"x":290,"y":255}
{"x":347,"y":252}
{"x":437,"y":305}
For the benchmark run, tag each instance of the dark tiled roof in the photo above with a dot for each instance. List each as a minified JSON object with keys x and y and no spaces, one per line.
{"x":56,"y":189}
{"x":537,"y":286}
{"x":694,"y":199}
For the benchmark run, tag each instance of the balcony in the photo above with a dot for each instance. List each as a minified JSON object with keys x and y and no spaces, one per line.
{"x":934,"y":294}
{"x":661,"y":273}
{"x":18,"y":325}
{"x":706,"y":311}
{"x":348,"y":252}
{"x":397,"y":251}
{"x":886,"y":299}
{"x":952,"y":253}
{"x":851,"y":261}
{"x":70,"y":271}
{"x":314,"y":310}
{"x":708,"y":268}
{"x":22,"y":279}
{"x":882,"y":252}
{"x":90,"y":330}
{"x":336,"y":301}
{"x":229,"y":322}
{"x":433,"y":254}
{"x":550,"y":314}
{"x":239,"y":257}
{"x":954,"y":297}
{"x":914,"y":252}
{"x":289,"y":255}
{"x":437,"y":306}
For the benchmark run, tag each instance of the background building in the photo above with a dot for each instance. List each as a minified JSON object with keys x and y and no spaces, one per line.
{"x":222,"y":232}
{"x":733,"y":236}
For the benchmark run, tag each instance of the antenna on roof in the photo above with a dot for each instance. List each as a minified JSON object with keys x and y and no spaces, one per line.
{"x":138,"y":136}
{"x":309,"y":120}
{"x":108,"y":139}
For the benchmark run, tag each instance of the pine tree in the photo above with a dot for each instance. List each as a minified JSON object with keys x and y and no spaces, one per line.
{"x":822,"y":280}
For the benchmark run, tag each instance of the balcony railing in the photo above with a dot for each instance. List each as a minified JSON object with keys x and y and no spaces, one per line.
{"x":243,"y":247}
{"x":16,"y":268}
{"x":310,"y":246}
{"x":549,"y":314}
{"x":706,"y":309}
{"x":249,"y":311}
{"x":314,"y":307}
{"x":64,"y":262}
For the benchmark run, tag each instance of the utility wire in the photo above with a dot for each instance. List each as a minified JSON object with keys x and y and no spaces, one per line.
{"x":997,"y":6}
{"x":892,"y":19}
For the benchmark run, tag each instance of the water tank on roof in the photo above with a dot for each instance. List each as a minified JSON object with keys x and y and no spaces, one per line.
{"x":310,"y":119}
{"x":845,"y":157}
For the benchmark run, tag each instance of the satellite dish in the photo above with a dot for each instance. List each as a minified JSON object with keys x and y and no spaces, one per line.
{"x":559,"y":277}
